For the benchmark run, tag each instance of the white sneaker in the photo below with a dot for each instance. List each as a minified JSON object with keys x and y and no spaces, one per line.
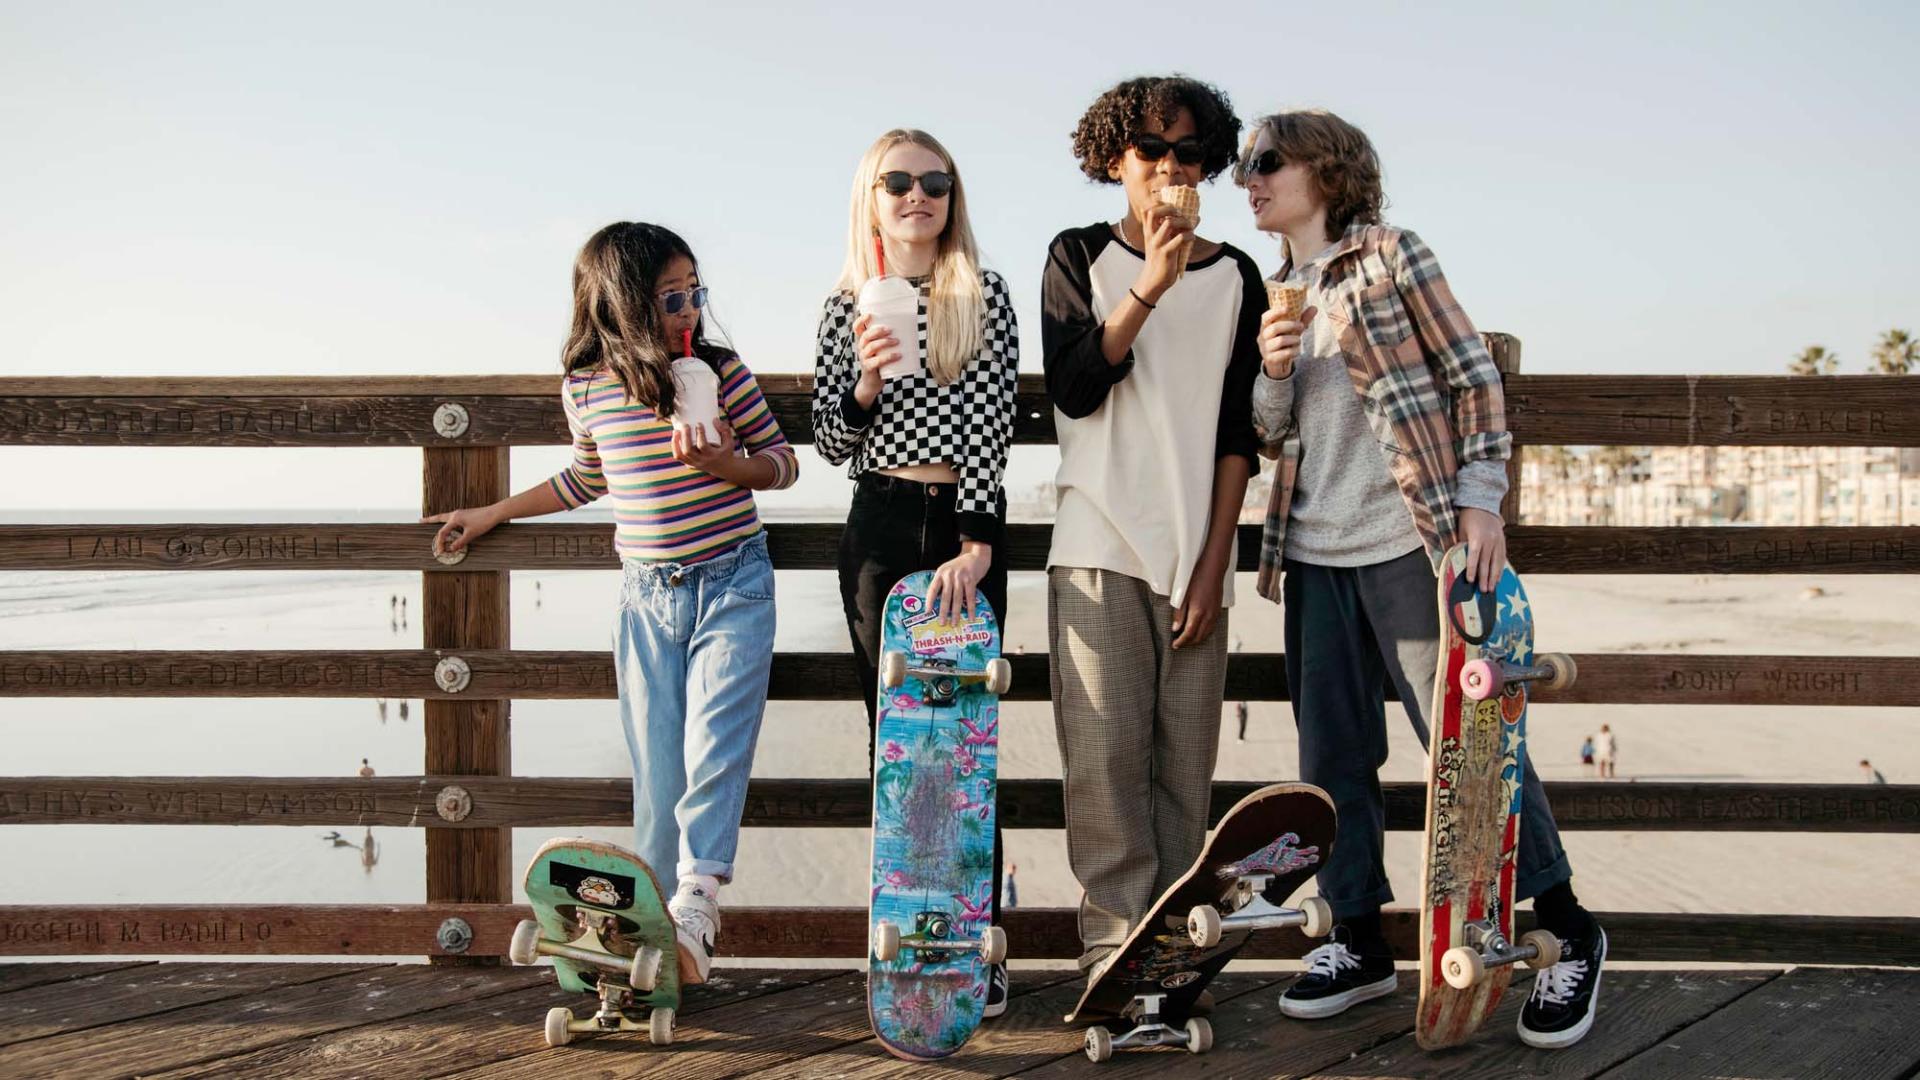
{"x":696,"y":921}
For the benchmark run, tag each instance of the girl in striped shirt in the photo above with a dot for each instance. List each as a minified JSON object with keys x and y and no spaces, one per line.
{"x":694,"y":641}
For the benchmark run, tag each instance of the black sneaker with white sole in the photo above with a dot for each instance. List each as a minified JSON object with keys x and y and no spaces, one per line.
{"x":996,"y":992}
{"x":1565,"y":996}
{"x":1338,"y":978}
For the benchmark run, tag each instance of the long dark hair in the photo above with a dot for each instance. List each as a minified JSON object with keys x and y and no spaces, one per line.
{"x":616,"y":322}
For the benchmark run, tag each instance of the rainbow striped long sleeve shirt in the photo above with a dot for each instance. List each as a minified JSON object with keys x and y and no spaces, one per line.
{"x":666,"y":511}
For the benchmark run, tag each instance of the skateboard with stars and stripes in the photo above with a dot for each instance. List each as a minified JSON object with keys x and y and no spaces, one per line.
{"x":1477,"y":754}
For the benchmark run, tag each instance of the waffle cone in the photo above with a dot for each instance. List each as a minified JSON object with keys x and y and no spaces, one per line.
{"x":1291,"y":299}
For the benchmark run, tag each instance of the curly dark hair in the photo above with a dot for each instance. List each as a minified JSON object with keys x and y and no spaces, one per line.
{"x":1117,"y":115}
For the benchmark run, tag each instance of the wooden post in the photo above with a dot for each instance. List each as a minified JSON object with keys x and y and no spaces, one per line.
{"x":466,"y":611}
{"x":1506,"y":357}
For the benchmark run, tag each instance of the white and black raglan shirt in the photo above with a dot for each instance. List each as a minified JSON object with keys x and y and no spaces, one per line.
{"x":1139,"y":439}
{"x":916,"y":421}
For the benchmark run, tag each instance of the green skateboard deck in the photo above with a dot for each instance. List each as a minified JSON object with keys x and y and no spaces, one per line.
{"x":600,"y":916}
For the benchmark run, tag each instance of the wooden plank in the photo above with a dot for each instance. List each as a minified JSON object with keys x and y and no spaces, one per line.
{"x":1808,"y":1022}
{"x":468,"y":735}
{"x":1028,"y":1036}
{"x":278,"y":421}
{"x":1713,"y":410}
{"x":1633,"y":410}
{"x":1505,"y":349}
{"x":14,"y":977}
{"x":220,"y":1029}
{"x":494,"y":1028}
{"x":1251,"y":1038}
{"x":500,"y":802}
{"x":775,"y":932}
{"x":1540,"y":549}
{"x":738,"y":1039}
{"x":1605,"y":678}
{"x":114,"y":997}
{"x":1637,"y":1010}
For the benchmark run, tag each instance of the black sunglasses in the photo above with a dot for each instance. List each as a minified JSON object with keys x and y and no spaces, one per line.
{"x":1265,"y":163}
{"x":673,"y":302}
{"x":937,"y":185}
{"x":1187,"y":151}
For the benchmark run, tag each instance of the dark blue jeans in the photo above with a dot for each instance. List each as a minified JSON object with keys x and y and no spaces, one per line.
{"x":1349,"y":631}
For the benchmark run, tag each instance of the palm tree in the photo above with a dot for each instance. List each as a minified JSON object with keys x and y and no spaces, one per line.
{"x":1814,"y":360}
{"x":1896,"y":354}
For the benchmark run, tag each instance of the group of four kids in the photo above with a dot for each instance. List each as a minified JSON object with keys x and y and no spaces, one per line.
{"x":1171,"y":380}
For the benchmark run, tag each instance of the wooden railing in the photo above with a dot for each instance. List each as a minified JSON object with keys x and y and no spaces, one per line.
{"x":468,"y":798}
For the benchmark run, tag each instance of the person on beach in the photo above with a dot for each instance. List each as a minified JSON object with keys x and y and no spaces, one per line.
{"x":1604,"y":748}
{"x":1586,"y":756}
{"x":1385,"y":411}
{"x":927,"y":451}
{"x":1872,"y":775}
{"x":693,"y":639}
{"x":1150,"y":372}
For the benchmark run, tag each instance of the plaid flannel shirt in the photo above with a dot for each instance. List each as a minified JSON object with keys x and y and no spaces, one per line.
{"x":1426,"y":381}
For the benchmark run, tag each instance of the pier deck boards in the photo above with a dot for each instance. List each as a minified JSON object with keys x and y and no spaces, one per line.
{"x":199,"y":1019}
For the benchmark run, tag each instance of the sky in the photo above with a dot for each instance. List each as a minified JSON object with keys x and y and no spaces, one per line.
{"x":400,"y":188}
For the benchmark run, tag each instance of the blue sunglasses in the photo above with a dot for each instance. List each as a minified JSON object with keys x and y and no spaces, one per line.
{"x":673,"y":302}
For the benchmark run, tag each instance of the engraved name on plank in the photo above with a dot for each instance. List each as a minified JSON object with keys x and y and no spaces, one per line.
{"x":56,"y":803}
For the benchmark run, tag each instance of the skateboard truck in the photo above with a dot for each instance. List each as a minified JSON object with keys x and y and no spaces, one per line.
{"x":1465,"y":965}
{"x":1482,"y":679}
{"x":944,"y":680}
{"x":1149,"y":1030}
{"x":933,"y":940}
{"x":615,"y":1001}
{"x":1248,"y":909}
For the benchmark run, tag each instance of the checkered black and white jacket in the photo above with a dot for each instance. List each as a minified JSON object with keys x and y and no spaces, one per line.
{"x":916,"y":421}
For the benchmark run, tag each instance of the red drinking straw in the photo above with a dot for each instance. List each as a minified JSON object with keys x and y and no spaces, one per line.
{"x":686,"y":339}
{"x":880,"y":254}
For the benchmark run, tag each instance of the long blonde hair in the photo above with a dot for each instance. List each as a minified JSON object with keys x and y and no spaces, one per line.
{"x":956,"y":304}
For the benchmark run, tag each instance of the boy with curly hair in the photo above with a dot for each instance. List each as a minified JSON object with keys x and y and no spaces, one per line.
{"x":1151,"y":374}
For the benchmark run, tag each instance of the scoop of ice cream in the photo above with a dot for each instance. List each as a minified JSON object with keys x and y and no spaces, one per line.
{"x":1283,"y":297}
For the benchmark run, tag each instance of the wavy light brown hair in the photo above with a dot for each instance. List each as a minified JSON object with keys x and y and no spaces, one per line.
{"x":1339,"y":157}
{"x":617,"y":326}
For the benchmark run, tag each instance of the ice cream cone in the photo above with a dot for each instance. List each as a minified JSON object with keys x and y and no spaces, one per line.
{"x":1186,"y":201}
{"x":1291,"y":299}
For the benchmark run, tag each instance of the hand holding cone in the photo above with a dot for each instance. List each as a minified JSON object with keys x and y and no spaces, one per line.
{"x":1186,"y":202}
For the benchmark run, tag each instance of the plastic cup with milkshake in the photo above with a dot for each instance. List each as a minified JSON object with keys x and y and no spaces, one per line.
{"x":696,"y":401}
{"x":893,"y":302}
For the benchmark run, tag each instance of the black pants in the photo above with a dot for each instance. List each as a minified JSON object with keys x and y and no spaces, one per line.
{"x":898,"y":527}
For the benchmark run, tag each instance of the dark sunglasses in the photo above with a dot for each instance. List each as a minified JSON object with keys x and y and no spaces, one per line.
{"x":1265,"y":163}
{"x":937,"y":185}
{"x":673,"y":302}
{"x":1187,"y":151}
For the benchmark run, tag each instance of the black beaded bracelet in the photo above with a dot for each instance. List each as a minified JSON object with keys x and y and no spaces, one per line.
{"x":1142,"y":299}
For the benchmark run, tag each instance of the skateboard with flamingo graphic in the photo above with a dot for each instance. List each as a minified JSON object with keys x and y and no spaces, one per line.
{"x":1478,"y":755}
{"x":1266,"y":847}
{"x":936,"y":752}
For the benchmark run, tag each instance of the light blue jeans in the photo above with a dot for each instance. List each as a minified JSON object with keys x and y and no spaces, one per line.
{"x":692,"y":651}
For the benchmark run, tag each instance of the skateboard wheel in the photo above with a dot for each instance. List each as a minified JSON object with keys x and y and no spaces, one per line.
{"x":993,"y":945}
{"x":1199,"y":1035}
{"x":886,"y":941}
{"x":1319,"y":917}
{"x":1099,"y":1044}
{"x":644,"y":972}
{"x":1564,"y":670}
{"x":525,"y":947}
{"x":1547,"y":946}
{"x":1203,"y":926}
{"x":1462,"y":967}
{"x":1480,"y":679}
{"x":660,"y":1027}
{"x":893,"y":668}
{"x":999,"y":675}
{"x":558,"y":1034}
